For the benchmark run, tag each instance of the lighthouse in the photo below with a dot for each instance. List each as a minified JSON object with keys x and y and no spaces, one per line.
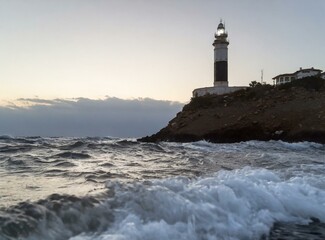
{"x":220,"y":81}
{"x":221,"y":57}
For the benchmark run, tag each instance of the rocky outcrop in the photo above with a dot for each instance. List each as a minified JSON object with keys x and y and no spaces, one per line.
{"x":289,"y":112}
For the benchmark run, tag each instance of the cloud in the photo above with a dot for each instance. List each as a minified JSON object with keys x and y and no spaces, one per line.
{"x":86,"y":117}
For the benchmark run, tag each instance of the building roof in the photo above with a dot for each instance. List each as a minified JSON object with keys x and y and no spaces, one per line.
{"x":308,"y":69}
{"x":300,"y":70}
{"x":284,"y":75}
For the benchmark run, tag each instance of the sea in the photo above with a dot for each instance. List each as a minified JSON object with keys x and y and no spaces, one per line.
{"x":122,"y":189}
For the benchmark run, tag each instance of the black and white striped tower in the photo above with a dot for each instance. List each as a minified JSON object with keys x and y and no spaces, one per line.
{"x":221,"y":57}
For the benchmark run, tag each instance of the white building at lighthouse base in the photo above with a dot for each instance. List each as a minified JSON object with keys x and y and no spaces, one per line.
{"x":219,"y":88}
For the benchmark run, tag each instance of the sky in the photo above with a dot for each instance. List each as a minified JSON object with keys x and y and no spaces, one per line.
{"x":67,"y":50}
{"x":150,"y":48}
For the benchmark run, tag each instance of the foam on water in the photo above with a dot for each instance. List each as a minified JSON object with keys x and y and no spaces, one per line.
{"x":239,"y":204}
{"x":300,"y":145}
{"x":157,"y":191}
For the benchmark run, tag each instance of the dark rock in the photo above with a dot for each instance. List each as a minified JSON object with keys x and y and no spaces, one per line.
{"x":290,"y":112}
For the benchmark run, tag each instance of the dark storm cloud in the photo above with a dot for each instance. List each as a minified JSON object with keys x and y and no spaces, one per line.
{"x":87,"y":117}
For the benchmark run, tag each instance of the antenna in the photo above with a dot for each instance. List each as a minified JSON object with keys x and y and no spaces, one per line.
{"x":262,"y":76}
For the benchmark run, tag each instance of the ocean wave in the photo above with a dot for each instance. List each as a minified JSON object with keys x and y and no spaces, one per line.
{"x":77,"y":144}
{"x":72,"y":155}
{"x":301,"y":145}
{"x":6,"y":137}
{"x":56,"y":217}
{"x":15,"y":149}
{"x":238,"y":204}
{"x":158,"y":191}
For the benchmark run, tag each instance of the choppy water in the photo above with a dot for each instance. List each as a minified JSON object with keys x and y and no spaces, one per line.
{"x":104,"y":188}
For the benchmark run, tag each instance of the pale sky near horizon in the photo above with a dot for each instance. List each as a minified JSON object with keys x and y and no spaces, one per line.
{"x":155,"y":49}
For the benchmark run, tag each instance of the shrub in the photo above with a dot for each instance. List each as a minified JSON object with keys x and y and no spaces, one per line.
{"x":254,"y":84}
{"x":309,"y":83}
{"x":200,"y":102}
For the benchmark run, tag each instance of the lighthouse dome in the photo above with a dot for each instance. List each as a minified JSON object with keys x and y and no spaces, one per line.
{"x":220,"y":26}
{"x":221,"y":30}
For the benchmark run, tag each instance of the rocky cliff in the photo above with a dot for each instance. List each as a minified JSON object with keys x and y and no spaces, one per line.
{"x":291,"y":112}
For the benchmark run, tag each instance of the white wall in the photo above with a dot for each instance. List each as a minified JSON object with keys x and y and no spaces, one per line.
{"x":221,"y":52}
{"x":199,"y":92}
{"x":309,"y":73}
{"x":323,"y":76}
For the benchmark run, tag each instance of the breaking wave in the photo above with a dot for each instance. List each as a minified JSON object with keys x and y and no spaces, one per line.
{"x":197,"y":191}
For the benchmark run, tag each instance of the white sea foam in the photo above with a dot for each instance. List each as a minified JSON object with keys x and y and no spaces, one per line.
{"x":302,"y":145}
{"x":234,"y":147}
{"x":238,"y":204}
{"x":200,"y":145}
{"x":286,"y":183}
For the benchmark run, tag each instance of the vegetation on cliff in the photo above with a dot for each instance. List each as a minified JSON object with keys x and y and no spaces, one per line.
{"x":293,"y":111}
